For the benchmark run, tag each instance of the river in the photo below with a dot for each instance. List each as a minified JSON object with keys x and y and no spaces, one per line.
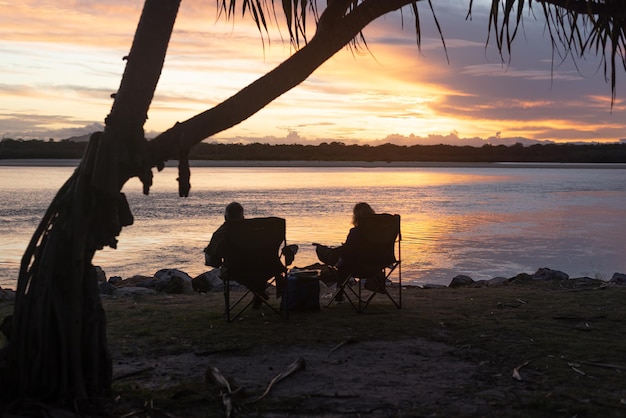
{"x":482,"y":220}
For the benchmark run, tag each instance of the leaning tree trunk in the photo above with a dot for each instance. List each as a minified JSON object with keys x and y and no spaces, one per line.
{"x":337,"y":26}
{"x":58,"y":351}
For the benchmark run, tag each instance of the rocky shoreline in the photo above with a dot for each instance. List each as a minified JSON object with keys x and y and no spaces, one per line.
{"x":174,"y":281}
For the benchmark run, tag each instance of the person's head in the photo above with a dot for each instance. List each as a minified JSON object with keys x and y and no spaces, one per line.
{"x":360,"y":211}
{"x":233,"y":212}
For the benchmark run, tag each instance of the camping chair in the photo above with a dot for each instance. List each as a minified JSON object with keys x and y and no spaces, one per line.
{"x":381,"y":235}
{"x":253,"y":259}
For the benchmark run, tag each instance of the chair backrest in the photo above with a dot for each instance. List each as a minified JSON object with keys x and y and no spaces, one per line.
{"x":253,"y":249}
{"x":379,"y":233}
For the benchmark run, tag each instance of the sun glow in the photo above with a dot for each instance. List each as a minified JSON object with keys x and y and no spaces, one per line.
{"x":59,"y":64}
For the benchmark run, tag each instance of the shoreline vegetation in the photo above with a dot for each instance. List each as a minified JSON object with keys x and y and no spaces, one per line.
{"x":340,"y":154}
{"x":73,"y":162}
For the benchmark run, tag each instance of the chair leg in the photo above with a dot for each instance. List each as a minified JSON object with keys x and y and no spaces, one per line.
{"x":345,"y":289}
{"x":379,"y":287}
{"x":340,"y":290}
{"x":234,"y":310}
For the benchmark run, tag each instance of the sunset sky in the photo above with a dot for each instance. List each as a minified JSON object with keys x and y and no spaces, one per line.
{"x":61,"y":60}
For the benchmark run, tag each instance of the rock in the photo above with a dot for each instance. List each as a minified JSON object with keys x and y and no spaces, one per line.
{"x":149,"y":283}
{"x":100,"y":274}
{"x":433,"y":286}
{"x":522,"y":277}
{"x":498,"y":281}
{"x":106,"y":288}
{"x":618,"y":279}
{"x":173,"y":281}
{"x":545,"y":273}
{"x":461,"y":281}
{"x":130,"y":282}
{"x":6,"y":327}
{"x":115,"y":280}
{"x":208,"y":281}
{"x":176,"y":285}
{"x":7,"y":294}
{"x":586,"y":282}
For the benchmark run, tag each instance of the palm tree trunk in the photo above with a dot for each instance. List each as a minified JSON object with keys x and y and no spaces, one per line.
{"x":58,"y":350}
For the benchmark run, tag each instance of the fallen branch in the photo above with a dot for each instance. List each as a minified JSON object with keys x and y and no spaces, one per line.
{"x":229,"y":397}
{"x":232,"y":398}
{"x":516,"y":370}
{"x":341,"y":344}
{"x":214,"y":375}
{"x":299,"y":364}
{"x":574,"y":367}
{"x":604,"y":365}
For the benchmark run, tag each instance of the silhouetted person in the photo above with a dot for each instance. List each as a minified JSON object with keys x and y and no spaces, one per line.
{"x":350,"y":255}
{"x":214,"y":252}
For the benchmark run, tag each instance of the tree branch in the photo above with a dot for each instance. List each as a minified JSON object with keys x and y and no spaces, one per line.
{"x":327,"y":41}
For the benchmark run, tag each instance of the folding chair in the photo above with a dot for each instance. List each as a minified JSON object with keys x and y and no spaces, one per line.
{"x":253,"y":259}
{"x":378,"y":262}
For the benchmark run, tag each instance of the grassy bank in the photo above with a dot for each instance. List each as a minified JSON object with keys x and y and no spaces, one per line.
{"x":568,"y":342}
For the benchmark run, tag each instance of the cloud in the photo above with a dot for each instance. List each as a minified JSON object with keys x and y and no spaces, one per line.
{"x":60,"y":61}
{"x":501,"y":70}
{"x":35,"y":127}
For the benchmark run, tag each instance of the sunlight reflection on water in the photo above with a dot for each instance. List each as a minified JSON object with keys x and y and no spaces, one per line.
{"x":483,"y":222}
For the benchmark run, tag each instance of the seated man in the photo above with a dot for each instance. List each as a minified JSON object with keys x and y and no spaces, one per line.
{"x":214,"y":252}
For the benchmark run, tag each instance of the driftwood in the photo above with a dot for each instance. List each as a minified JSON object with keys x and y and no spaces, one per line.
{"x":233,"y":399}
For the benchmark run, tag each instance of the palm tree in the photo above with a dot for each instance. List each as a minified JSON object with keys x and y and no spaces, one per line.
{"x":58,"y":350}
{"x":576,"y":28}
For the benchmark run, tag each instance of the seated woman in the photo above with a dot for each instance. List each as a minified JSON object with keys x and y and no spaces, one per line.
{"x":350,"y":255}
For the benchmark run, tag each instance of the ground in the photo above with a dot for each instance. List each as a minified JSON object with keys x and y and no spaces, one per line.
{"x":525,"y":349}
{"x":372,"y":378}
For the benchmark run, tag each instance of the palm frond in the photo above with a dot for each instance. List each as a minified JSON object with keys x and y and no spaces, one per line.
{"x":576,"y":28}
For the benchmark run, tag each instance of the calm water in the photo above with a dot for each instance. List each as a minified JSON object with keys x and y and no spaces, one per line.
{"x":480,"y":221}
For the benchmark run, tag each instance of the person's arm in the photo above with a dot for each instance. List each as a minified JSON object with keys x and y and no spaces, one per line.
{"x":214,"y":252}
{"x":350,"y":251}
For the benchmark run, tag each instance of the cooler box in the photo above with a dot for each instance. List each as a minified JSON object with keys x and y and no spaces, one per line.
{"x":302,"y":291}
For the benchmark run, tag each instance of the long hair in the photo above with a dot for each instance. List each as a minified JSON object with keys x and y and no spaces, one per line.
{"x":361,"y":210}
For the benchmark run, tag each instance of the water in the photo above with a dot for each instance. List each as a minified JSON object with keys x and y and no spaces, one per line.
{"x":483,"y":221}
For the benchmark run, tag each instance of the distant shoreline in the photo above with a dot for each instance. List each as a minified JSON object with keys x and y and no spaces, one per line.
{"x":34,"y":162}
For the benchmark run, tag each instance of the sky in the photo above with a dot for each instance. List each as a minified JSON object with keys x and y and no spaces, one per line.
{"x":60,"y":61}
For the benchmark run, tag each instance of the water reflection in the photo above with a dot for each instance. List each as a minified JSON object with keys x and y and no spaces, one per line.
{"x":484,"y":222}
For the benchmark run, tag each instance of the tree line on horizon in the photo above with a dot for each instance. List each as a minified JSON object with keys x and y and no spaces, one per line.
{"x":338,"y":151}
